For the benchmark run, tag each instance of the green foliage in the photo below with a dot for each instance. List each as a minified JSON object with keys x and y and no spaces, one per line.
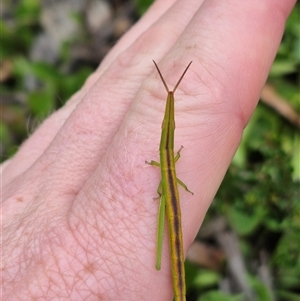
{"x":5,"y":135}
{"x":34,"y":88}
{"x":288,"y":56}
{"x":261,"y":291}
{"x":27,"y":11}
{"x":17,"y":36}
{"x":143,"y":5}
{"x":242,"y":222}
{"x":206,"y":278}
{"x":219,"y":296}
{"x":53,"y":86}
{"x":260,"y":198}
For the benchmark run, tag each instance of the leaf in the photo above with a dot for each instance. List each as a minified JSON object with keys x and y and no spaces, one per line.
{"x":205,"y":278}
{"x":280,"y":68}
{"x":242,"y":222}
{"x":41,"y":103}
{"x":219,"y":296}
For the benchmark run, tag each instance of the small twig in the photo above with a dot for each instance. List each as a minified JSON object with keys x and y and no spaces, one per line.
{"x":206,"y":256}
{"x":236,"y":265}
{"x":279,"y":104}
{"x":265,"y":274}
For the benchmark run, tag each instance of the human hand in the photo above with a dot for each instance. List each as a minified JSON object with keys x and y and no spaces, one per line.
{"x":79,"y":222}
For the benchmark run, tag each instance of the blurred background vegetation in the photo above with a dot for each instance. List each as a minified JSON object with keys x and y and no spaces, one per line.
{"x":248,"y":247}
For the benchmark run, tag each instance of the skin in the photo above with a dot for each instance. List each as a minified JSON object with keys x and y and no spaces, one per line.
{"x":78,"y":222}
